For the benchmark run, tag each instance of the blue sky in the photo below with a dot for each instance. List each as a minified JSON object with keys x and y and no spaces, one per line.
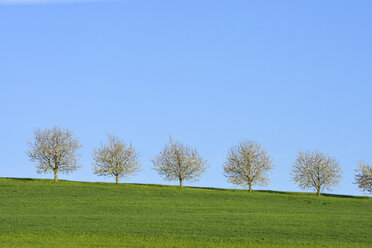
{"x":288,"y":74}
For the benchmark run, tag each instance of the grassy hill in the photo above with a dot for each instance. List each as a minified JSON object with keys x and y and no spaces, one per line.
{"x":41,"y":213}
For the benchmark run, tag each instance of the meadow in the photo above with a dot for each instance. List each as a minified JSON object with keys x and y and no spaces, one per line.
{"x":42,"y":213}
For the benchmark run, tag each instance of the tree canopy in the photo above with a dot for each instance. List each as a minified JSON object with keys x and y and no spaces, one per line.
{"x":316,"y":170}
{"x":54,"y":150}
{"x":247,"y":164}
{"x":178,"y":161}
{"x":363,"y":177}
{"x":115,"y":159}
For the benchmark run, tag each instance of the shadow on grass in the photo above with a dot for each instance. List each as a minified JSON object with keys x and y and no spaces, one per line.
{"x":314,"y":194}
{"x":246,"y":190}
{"x":19,"y":179}
{"x":278,"y":192}
{"x":345,"y":196}
{"x":189,"y":187}
{"x":151,"y":185}
{"x":237,"y":190}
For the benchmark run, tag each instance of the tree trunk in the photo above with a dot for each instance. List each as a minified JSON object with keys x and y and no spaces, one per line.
{"x":117,"y":179}
{"x":180,"y":183}
{"x":250,"y":187}
{"x":55,"y":175}
{"x":318,"y":192}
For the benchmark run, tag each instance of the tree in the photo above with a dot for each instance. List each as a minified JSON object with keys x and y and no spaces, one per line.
{"x":247,"y":164}
{"x":363,"y":178}
{"x":115,"y":159}
{"x":54,"y":150}
{"x":178,"y":161}
{"x":316,"y":170}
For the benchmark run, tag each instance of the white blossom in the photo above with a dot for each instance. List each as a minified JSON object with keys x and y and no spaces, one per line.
{"x":363,"y":178}
{"x":115,"y":159}
{"x":315,"y":170}
{"x":247,"y":164}
{"x":178,"y":161}
{"x":54,"y":150}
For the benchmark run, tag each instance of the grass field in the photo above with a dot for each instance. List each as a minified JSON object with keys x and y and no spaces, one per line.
{"x":41,"y":213}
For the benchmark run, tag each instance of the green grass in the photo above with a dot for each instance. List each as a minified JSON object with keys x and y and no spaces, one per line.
{"x":41,"y":213}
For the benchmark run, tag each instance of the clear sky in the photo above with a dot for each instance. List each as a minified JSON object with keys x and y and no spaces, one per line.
{"x":288,"y":74}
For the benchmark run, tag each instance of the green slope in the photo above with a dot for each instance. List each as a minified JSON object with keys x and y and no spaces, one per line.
{"x":41,"y":213}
